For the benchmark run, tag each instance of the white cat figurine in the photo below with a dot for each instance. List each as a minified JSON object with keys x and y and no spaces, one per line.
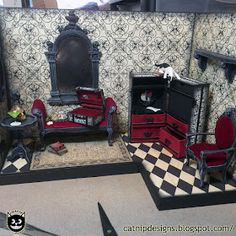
{"x":166,"y":71}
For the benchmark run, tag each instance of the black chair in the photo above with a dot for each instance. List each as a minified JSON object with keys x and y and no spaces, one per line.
{"x":219,"y":155}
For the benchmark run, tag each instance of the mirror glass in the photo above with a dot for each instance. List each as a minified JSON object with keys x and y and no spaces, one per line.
{"x":199,"y":6}
{"x":73,"y":64}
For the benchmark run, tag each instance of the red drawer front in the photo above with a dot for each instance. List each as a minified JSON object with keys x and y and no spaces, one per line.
{"x":175,"y":143}
{"x":146,"y":132}
{"x":177,"y":125}
{"x":148,"y":118}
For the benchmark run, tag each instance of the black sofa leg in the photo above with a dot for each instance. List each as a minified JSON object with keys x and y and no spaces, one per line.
{"x":42,"y":144}
{"x":110,"y":132}
{"x":43,"y":147}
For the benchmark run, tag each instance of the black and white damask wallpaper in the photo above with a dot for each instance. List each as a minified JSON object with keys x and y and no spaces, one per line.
{"x":217,"y":33}
{"x":128,"y":41}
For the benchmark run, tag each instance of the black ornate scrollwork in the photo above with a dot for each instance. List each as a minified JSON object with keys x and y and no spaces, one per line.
{"x":73,"y":19}
{"x":230,"y":71}
{"x":202,"y":61}
{"x":228,"y":63}
{"x":73,"y":61}
{"x":95,"y":53}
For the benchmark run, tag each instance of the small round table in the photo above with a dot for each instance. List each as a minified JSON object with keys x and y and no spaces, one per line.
{"x":20,"y":150}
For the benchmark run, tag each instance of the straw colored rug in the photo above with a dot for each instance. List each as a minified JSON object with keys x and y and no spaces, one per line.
{"x":83,"y":153}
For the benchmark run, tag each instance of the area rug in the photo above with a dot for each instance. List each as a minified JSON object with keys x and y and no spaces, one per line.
{"x":90,"y":152}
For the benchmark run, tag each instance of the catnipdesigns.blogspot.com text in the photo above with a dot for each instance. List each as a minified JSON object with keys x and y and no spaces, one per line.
{"x":179,"y":228}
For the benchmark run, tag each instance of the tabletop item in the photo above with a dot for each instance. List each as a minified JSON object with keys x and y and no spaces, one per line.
{"x":13,"y":114}
{"x":11,"y":123}
{"x":17,"y":112}
{"x":15,"y":123}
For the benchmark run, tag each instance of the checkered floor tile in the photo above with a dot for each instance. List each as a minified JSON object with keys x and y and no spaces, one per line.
{"x":170,"y":175}
{"x":17,"y":166}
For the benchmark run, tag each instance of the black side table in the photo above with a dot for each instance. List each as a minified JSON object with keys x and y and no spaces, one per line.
{"x":10,"y":124}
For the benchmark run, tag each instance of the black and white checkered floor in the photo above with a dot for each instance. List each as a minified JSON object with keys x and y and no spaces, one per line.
{"x":18,"y":165}
{"x":170,"y":175}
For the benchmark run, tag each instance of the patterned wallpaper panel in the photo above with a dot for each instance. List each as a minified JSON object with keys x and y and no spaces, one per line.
{"x":128,"y":41}
{"x":217,"y":33}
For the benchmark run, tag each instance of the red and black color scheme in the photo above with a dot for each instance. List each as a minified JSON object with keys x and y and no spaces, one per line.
{"x":92,"y":104}
{"x":66,"y":126}
{"x":172,"y":136}
{"x":163,"y":112}
{"x":146,"y":108}
{"x":69,"y":71}
{"x":218,"y":156}
{"x":146,"y":127}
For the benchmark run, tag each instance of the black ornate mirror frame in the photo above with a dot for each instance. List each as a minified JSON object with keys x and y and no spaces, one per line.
{"x":63,"y":89}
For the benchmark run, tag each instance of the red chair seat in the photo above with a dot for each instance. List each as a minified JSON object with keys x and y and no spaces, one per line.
{"x":212,"y":159}
{"x":218,"y":160}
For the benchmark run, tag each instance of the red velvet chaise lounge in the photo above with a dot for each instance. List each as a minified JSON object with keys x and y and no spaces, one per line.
{"x":69,"y":127}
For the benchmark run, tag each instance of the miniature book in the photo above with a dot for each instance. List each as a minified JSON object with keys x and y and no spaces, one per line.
{"x":57,"y":148}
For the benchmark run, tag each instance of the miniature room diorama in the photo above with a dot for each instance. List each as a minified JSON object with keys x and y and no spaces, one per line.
{"x":98,"y":93}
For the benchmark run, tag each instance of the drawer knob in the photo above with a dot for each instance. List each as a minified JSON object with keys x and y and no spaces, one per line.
{"x":149,"y":119}
{"x":167,"y":142}
{"x":175,"y":125}
{"x":147,"y":134}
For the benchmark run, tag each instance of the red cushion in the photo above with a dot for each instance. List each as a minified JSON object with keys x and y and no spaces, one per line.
{"x":38,"y":104}
{"x":213,"y":159}
{"x":63,"y":124}
{"x":68,"y":124}
{"x":108,"y":103}
{"x":224,"y":132}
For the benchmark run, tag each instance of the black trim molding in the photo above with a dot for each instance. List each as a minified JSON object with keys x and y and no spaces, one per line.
{"x":194,"y":200}
{"x":70,"y":173}
{"x":228,"y":63}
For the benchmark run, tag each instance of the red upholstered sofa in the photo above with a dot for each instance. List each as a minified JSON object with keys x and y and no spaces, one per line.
{"x":67,"y":127}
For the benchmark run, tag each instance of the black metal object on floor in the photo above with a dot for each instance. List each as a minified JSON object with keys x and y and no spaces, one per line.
{"x":108,"y":229}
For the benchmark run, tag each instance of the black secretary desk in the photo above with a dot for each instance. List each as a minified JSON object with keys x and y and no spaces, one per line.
{"x":164,"y":112}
